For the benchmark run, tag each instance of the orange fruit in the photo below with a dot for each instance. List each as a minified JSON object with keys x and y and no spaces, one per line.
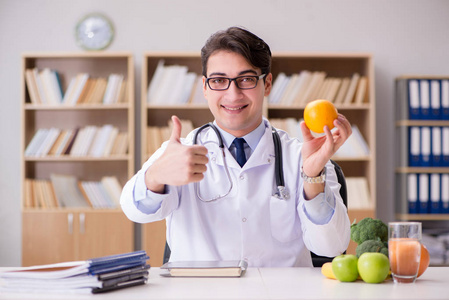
{"x":424,"y":261}
{"x":319,"y":113}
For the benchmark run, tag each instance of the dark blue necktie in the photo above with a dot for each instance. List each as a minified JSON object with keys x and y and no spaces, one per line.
{"x":240,"y":156}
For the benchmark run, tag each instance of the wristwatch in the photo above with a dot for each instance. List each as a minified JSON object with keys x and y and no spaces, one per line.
{"x":318,"y":179}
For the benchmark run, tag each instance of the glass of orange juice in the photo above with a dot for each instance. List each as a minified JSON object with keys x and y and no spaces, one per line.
{"x":404,"y":250}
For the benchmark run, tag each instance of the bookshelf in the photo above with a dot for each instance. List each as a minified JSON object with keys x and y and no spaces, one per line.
{"x":96,"y":229}
{"x":422,"y":148}
{"x":334,"y":65}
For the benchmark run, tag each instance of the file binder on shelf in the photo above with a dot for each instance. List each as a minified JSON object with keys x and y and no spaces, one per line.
{"x":435,"y":100}
{"x":445,"y":99}
{"x":412,"y":193}
{"x":436,"y":146}
{"x":413,"y":99}
{"x":445,"y":147}
{"x":445,"y":193}
{"x":414,"y":147}
{"x":435,"y":195}
{"x":424,"y":99}
{"x":423,"y":193}
{"x":426,"y":143}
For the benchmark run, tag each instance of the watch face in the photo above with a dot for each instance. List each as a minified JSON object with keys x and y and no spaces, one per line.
{"x":94,"y":32}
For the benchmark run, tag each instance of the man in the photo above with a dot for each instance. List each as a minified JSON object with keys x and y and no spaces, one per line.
{"x":181,"y":181}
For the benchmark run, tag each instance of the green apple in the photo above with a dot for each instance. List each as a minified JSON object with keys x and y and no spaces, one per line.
{"x":345,"y":267}
{"x":373,"y":267}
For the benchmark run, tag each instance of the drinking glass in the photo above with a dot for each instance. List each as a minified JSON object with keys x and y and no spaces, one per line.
{"x":404,"y":250}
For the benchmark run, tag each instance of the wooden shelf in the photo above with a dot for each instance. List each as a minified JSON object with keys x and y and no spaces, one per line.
{"x":404,"y":172}
{"x":423,"y":217}
{"x":76,"y":233}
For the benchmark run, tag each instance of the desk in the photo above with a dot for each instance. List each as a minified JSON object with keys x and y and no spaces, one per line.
{"x":271,"y":283}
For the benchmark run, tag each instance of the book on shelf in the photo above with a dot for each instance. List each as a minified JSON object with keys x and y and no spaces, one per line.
{"x":75,"y":89}
{"x":339,"y":98}
{"x":349,"y":97}
{"x":67,"y":191}
{"x":354,"y":146}
{"x":362,"y":88}
{"x":112,"y":92}
{"x":278,"y":86}
{"x":232,"y":268}
{"x":32,"y":88}
{"x":97,"y":275}
{"x":197,"y":96}
{"x":358,"y":193}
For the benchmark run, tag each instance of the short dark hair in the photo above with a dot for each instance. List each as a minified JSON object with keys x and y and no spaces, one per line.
{"x":241,"y":41}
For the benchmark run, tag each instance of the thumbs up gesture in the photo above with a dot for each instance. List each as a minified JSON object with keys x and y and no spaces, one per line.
{"x":178,"y":165}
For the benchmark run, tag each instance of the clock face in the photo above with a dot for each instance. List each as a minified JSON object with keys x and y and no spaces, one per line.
{"x":94,"y":32}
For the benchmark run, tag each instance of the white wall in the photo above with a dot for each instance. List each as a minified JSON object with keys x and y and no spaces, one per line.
{"x":405,"y":36}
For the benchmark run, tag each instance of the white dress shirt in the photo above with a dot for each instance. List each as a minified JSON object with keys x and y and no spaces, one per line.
{"x":249,"y":223}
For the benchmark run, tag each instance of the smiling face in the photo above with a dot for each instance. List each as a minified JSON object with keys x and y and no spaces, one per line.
{"x":236,"y":111}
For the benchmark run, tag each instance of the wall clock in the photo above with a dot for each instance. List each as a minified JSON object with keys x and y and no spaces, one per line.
{"x":94,"y":32}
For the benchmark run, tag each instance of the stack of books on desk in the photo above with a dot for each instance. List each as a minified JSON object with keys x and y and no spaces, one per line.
{"x":97,"y":275}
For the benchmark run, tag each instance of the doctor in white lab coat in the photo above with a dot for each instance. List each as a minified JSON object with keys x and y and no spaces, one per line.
{"x":248,"y":222}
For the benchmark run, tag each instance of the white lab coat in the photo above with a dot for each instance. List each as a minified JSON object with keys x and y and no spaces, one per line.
{"x":249,"y":223}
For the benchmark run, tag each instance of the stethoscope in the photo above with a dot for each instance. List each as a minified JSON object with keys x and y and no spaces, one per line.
{"x":281,"y":191}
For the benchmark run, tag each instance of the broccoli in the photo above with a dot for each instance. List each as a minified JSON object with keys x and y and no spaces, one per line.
{"x":369,"y":229}
{"x":371,"y":246}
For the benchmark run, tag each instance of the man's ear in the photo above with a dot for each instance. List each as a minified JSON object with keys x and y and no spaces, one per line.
{"x":268,"y":84}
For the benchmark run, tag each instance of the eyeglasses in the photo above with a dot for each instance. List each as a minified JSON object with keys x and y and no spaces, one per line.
{"x":246,"y":82}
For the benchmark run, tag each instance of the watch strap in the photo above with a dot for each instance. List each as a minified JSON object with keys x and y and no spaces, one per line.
{"x":318,"y":179}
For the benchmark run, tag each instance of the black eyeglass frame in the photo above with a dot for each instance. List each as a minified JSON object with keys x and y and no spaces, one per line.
{"x":259,"y":77}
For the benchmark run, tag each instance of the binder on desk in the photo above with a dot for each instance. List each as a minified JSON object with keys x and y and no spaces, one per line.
{"x":436,"y":147}
{"x":415,"y":147}
{"x":424,"y":99}
{"x":445,"y":99}
{"x":444,"y":193}
{"x":412,"y":193}
{"x":435,"y":195}
{"x":435,"y":99}
{"x":423,"y":193}
{"x":413,"y":99}
{"x":426,"y":147}
{"x":445,"y":147}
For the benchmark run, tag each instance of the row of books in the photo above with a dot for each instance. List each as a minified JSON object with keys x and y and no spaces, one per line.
{"x":156,"y":135}
{"x":428,"y":146}
{"x":428,"y":193}
{"x":85,"y":141}
{"x":67,"y":191}
{"x":44,"y":87}
{"x":428,"y":99}
{"x":300,"y":88}
{"x":97,"y":275}
{"x":174,"y":85}
{"x":355,"y":145}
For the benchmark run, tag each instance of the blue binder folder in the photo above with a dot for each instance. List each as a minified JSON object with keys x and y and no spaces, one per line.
{"x":435,"y":193}
{"x":435,"y":99}
{"x":423,"y":193}
{"x":412,"y":193}
{"x":413,"y":99}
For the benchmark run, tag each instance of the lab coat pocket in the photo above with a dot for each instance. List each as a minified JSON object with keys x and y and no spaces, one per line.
{"x":283,"y":220}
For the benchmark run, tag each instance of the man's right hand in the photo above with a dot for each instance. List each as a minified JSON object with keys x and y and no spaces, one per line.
{"x":178,"y":165}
